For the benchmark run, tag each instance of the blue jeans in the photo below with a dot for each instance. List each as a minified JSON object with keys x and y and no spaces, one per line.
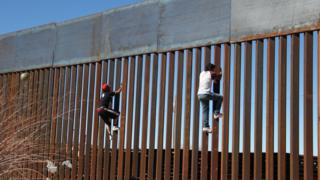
{"x":204,"y":102}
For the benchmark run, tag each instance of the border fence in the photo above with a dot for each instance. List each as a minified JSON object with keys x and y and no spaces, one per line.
{"x":160,"y":133}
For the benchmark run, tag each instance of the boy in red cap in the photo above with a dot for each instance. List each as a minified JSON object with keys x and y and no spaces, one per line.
{"x":104,"y":110}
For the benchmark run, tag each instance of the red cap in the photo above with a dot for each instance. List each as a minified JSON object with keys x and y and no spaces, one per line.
{"x":105,"y":87}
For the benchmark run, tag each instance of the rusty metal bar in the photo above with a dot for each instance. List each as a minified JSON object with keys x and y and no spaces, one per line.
{"x":270,"y":110}
{"x":32,"y":115}
{"x":129,"y":120}
{"x":135,"y":162}
{"x":96,"y":120}
{"x":282,"y":108}
{"x":106,"y":158}
{"x":225,"y":122}
{"x":215,"y":124}
{"x":195,"y":132}
{"x":101,"y":133}
{"x":115,"y":135}
{"x":37,"y":128}
{"x":308,"y":108}
{"x":43,"y":117}
{"x":177,"y":117}
{"x":71,"y":119}
{"x":294,"y":108}
{"x":48,"y":116}
{"x":59,"y":120}
{"x":318,"y":104}
{"x":204,"y":150}
{"x":83,"y":119}
{"x":65,"y":120}
{"x":162,"y":80}
{"x":75,"y":146}
{"x":54,"y":115}
{"x":152,"y":120}
{"x":258,"y":112}
{"x":247,"y":111}
{"x":236,"y":112}
{"x":187,"y":115}
{"x":143,"y":159}
{"x":168,"y":151}
{"x":90,"y":102}
{"x":123,"y":118}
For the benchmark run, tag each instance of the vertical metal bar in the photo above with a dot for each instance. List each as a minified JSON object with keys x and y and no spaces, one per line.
{"x":225,"y":122}
{"x":153,"y":119}
{"x":294,"y":108}
{"x":35,"y":117}
{"x":75,"y":146}
{"x":247,"y":111}
{"x":65,"y":120}
{"x":48,"y":117}
{"x":123,"y":117}
{"x":31,"y":117}
{"x":187,"y":101}
{"x":91,"y":101}
{"x":145,"y":117}
{"x":258,"y":112}
{"x":318,"y":104}
{"x":204,"y":151}
{"x":195,"y":133}
{"x":101,"y":133}
{"x":129,"y":121}
{"x":159,"y":170}
{"x":282,"y":107}
{"x":96,"y":120}
{"x":215,"y":123}
{"x":106,"y":159}
{"x":71,"y":118}
{"x":177,"y":117}
{"x":115,"y":135}
{"x":83,"y":120}
{"x":54,"y":114}
{"x":167,"y":163}
{"x":270,"y":110}
{"x":38,"y":128}
{"x":135,"y":162}
{"x":42,"y":113}
{"x":236,"y":112}
{"x":59,"y":118}
{"x":308,"y":108}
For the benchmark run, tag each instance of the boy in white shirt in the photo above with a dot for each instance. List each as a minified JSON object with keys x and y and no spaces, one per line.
{"x":211,"y":73}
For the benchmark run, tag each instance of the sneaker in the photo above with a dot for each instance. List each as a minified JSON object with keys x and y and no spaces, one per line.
{"x":115,"y":128}
{"x":207,"y":129}
{"x":217,"y":116}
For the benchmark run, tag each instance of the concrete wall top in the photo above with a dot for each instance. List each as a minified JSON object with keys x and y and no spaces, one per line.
{"x":253,"y":17}
{"x":151,"y":26}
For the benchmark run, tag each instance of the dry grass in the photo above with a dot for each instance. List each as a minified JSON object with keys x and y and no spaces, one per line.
{"x":24,"y":133}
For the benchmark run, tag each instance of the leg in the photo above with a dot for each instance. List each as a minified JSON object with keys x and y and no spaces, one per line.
{"x":217,"y":102}
{"x":204,"y":102}
{"x":113,"y":115}
{"x":104,"y":115}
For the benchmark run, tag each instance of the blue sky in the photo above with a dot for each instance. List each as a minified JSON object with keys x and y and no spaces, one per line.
{"x":16,"y":14}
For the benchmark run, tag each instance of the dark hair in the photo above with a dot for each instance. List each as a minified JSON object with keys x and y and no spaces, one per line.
{"x":209,"y":67}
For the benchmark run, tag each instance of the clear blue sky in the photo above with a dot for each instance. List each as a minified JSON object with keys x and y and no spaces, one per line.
{"x":20,"y":14}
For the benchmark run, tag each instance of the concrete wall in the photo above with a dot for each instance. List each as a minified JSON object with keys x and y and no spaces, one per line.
{"x":152,"y":26}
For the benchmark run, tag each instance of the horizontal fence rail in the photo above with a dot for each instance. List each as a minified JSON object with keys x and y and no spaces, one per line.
{"x":50,"y":127}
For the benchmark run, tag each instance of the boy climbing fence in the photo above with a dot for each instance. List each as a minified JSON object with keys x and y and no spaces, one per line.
{"x":211,"y":73}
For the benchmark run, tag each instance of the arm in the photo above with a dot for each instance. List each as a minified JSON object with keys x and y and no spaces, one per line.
{"x":118,"y":90}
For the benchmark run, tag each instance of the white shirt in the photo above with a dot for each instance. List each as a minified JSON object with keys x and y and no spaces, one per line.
{"x":205,"y":83}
